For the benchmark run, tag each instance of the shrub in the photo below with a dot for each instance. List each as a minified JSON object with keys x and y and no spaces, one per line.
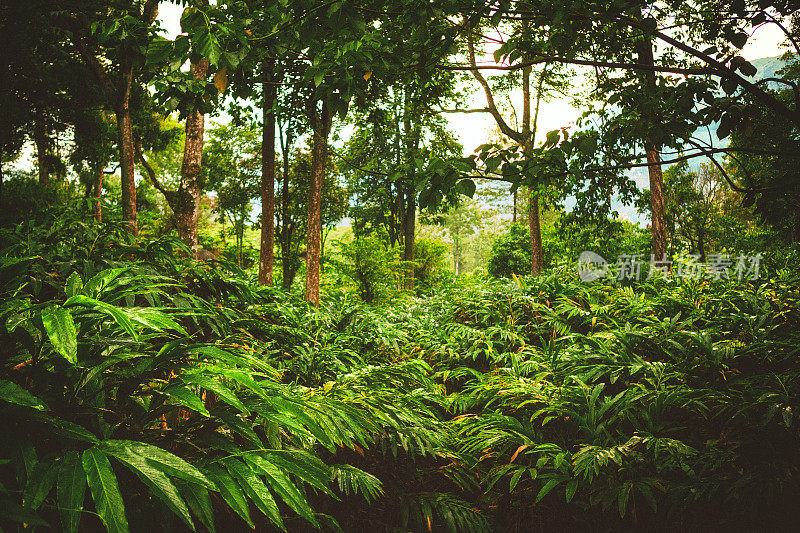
{"x":511,"y":253}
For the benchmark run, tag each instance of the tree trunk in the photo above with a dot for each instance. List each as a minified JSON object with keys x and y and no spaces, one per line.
{"x":43,"y":149}
{"x":97,"y":192}
{"x":289,"y":260}
{"x":409,"y":231}
{"x":320,"y":125}
{"x":267,"y":252}
{"x":658,"y":226}
{"x":514,"y":215}
{"x":187,"y":201}
{"x":701,"y":245}
{"x":126,"y":151}
{"x":537,"y":255}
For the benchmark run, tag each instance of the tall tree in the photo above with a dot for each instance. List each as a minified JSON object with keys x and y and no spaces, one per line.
{"x":111,"y":40}
{"x":319,"y":115}
{"x":267,"y":189}
{"x":215,"y":42}
{"x":524,"y":135}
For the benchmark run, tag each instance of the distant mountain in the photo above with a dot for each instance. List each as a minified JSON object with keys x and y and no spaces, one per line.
{"x":768,"y":67}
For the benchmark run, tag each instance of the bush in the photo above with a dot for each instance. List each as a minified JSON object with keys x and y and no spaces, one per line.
{"x":429,"y":258}
{"x":511,"y":253}
{"x":373,"y":267}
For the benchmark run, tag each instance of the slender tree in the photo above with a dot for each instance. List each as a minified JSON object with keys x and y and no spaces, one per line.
{"x":113,"y":57}
{"x":267,"y":189}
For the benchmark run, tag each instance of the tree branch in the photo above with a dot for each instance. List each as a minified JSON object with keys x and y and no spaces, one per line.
{"x":541,"y":58}
{"x":725,"y":72}
{"x":490,"y":105}
{"x":150,"y":172}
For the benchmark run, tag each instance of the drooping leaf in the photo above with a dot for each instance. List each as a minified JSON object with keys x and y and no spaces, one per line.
{"x":159,"y":484}
{"x":283,"y":487}
{"x":163,"y":460}
{"x":12,"y":393}
{"x":199,"y":502}
{"x":61,"y":330}
{"x":105,"y":491}
{"x":71,"y":491}
{"x":39,"y":485}
{"x":230,"y":492}
{"x":255,"y":489}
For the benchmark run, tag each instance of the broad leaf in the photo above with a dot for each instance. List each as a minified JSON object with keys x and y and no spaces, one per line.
{"x":70,"y":491}
{"x":61,"y":330}
{"x":105,"y":490}
{"x":12,"y":393}
{"x":134,"y":452}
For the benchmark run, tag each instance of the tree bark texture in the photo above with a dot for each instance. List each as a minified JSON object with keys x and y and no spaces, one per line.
{"x":658,"y":226}
{"x":43,"y":150}
{"x":267,"y":253}
{"x":320,"y":125}
{"x":97,"y":193}
{"x":126,"y":150}
{"x":187,"y":201}
{"x":537,"y":255}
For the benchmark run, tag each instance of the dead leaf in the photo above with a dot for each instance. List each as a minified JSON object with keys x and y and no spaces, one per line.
{"x":520,"y":449}
{"x":221,"y":80}
{"x":367,"y":76}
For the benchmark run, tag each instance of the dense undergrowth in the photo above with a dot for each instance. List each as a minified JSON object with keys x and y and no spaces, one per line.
{"x":142,"y":391}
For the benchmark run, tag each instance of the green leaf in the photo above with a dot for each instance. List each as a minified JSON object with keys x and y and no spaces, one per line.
{"x":466,"y":187}
{"x":153,"y":319}
{"x":255,"y":489}
{"x":105,"y":490}
{"x":103,"y":280}
{"x":127,"y":450}
{"x":225,"y":394}
{"x":550,"y":485}
{"x":158,"y":51}
{"x":230,"y":492}
{"x":114,"y":312}
{"x":184,"y":396}
{"x":71,"y":430}
{"x":283,"y":487}
{"x":572,"y":487}
{"x":12,"y":393}
{"x":61,"y":330}
{"x":40,"y":482}
{"x":70,"y":491}
{"x":739,"y":39}
{"x":306,"y":466}
{"x":74,"y":284}
{"x":159,"y":484}
{"x":622,"y":500}
{"x":199,"y":502}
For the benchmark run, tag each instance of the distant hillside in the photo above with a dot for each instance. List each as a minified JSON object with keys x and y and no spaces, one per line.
{"x":768,"y":67}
